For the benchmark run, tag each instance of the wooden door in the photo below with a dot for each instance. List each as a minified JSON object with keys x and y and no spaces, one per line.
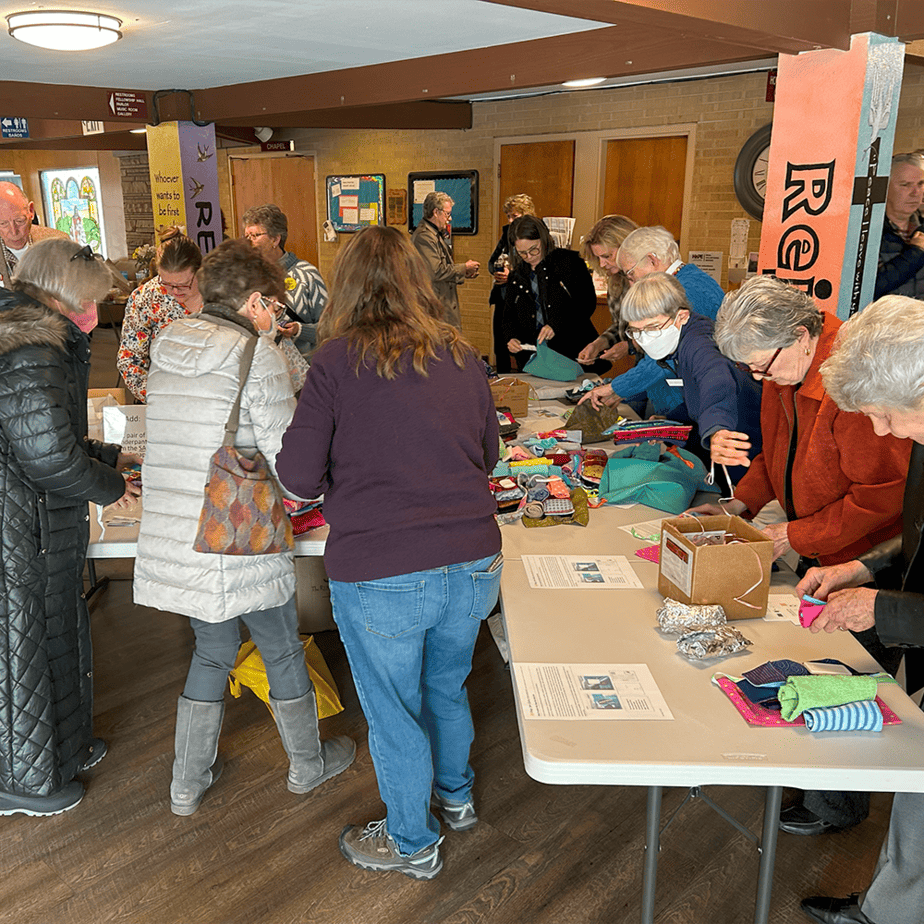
{"x":543,"y":170}
{"x":644,"y":180}
{"x":286,"y":181}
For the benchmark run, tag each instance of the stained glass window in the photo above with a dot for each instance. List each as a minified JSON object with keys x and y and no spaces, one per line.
{"x":73,"y":205}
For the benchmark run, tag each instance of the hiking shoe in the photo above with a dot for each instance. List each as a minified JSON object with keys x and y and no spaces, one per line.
{"x":97,"y":751}
{"x":63,"y":800}
{"x":372,"y":847}
{"x":459,"y":816}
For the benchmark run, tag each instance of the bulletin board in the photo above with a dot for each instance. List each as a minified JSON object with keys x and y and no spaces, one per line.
{"x":355,"y":202}
{"x":461,"y":186}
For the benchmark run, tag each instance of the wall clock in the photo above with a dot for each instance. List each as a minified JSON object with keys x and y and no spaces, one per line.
{"x":751,"y":172}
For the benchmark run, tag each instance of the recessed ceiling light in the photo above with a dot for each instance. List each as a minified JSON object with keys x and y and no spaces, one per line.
{"x":137,"y":131}
{"x":585,"y":82}
{"x":64,"y":30}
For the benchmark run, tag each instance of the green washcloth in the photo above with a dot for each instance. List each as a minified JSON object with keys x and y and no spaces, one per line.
{"x":819,"y":692}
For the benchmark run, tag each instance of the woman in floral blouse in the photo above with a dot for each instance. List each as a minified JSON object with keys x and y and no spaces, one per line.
{"x":173,"y":293}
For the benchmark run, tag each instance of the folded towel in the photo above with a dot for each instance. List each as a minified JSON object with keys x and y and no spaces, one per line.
{"x":818,"y":692}
{"x":863,"y":716}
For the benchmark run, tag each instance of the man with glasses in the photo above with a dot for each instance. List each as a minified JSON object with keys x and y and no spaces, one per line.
{"x":266,"y":227}
{"x":17,"y":233}
{"x":429,"y":239}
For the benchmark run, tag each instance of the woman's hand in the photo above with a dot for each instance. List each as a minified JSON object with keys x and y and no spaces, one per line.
{"x":601,"y":396}
{"x":726,"y":447}
{"x":545,"y":334}
{"x":732,"y":508}
{"x":514,"y":345}
{"x":777,"y":532}
{"x":853,"y":609}
{"x":290,"y":330}
{"x":820,"y":582}
{"x":617,"y":351}
{"x":132,"y":493}
{"x":591,"y":351}
{"x":126,"y":460}
{"x":500,"y":276}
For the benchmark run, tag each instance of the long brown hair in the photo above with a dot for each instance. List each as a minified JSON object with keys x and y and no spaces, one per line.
{"x":383,"y":304}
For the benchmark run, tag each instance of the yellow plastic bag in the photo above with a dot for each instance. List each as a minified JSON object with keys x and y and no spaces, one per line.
{"x":248,"y":671}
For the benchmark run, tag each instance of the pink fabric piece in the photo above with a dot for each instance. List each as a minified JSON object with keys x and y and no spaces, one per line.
{"x":650,"y":553}
{"x":770,"y":718}
{"x":310,"y":519}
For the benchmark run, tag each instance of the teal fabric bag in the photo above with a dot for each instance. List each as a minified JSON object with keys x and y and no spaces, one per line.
{"x":644,"y":474}
{"x":547,"y":364}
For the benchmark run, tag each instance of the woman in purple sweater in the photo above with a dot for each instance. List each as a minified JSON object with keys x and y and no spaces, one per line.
{"x":396,"y":427}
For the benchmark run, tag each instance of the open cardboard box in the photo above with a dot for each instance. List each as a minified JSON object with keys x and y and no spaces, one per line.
{"x":512,"y":393}
{"x":716,"y":573}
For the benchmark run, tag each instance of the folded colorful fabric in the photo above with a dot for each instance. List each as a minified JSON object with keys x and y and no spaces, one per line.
{"x":775,"y":673}
{"x":862,"y":716}
{"x":310,"y":519}
{"x":799,"y":694}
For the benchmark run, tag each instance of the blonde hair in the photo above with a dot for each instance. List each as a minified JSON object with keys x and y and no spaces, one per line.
{"x":383,"y":304}
{"x":519,"y":203}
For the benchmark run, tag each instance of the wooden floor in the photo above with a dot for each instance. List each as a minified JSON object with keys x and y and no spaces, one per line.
{"x":256,"y":854}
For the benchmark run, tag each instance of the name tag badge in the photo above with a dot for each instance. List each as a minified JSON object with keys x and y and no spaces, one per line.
{"x":678,"y":383}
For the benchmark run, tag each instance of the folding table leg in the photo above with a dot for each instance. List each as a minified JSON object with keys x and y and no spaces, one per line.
{"x":772,"y":803}
{"x":652,"y":847}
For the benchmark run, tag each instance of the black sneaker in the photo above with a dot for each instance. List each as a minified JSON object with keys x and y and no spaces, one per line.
{"x":97,"y":751}
{"x":63,"y":800}
{"x":372,"y":848}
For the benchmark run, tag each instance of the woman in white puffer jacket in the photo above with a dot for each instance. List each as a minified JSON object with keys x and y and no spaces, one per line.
{"x":192,"y":385}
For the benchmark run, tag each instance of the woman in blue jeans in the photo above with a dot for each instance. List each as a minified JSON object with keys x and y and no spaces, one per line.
{"x":413,"y":554}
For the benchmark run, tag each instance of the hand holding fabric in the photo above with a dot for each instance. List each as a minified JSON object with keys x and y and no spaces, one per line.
{"x":601,"y":396}
{"x":820,"y":582}
{"x":853,"y":609}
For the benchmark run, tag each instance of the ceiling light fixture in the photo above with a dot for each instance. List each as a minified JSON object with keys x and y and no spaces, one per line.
{"x":64,"y":30}
{"x":585,"y":82}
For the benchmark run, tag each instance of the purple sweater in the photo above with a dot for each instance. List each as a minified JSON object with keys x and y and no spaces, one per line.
{"x":402,"y":464}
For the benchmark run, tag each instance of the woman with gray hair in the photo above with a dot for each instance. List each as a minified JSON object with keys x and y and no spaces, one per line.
{"x":720,"y":400}
{"x":877,"y":369}
{"x":49,"y":471}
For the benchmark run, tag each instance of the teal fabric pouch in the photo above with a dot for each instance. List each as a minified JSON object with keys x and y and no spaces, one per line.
{"x":644,"y":474}
{"x":547,"y":364}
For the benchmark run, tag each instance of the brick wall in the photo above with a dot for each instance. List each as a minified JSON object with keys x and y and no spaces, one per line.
{"x":136,"y":199}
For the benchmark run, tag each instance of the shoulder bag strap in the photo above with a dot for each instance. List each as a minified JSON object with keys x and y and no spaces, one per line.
{"x":235,"y":416}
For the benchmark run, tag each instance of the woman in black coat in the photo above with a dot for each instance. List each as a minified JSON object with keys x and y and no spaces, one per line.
{"x":49,"y":471}
{"x":550,"y":294}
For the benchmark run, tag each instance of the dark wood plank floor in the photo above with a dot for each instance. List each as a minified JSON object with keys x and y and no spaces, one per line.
{"x":256,"y":854}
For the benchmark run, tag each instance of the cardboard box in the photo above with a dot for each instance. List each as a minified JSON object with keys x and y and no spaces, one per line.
{"x":121,"y":395}
{"x":512,"y":393}
{"x":312,"y":596}
{"x":716,"y":573}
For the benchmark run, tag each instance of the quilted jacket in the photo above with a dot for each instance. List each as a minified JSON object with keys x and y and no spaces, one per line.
{"x":192,"y":385}
{"x":48,"y":473}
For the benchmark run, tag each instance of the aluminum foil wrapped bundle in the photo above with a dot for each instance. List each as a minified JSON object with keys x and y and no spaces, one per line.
{"x":675,"y":618}
{"x":701,"y":642}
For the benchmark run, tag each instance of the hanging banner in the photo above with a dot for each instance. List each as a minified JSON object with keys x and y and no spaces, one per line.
{"x":830,"y":157}
{"x":184,"y":180}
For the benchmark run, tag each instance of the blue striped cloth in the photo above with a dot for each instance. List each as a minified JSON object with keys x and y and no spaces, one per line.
{"x":861,"y":716}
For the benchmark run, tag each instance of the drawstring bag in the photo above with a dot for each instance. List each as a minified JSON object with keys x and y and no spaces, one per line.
{"x":644,"y":474}
{"x":249,"y":671}
{"x":243,"y":512}
{"x":547,"y":364}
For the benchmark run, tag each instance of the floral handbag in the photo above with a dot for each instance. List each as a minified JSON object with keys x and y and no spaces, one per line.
{"x":243,"y":512}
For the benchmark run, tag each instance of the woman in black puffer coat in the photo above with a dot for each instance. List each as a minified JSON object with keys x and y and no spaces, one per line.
{"x":49,"y":471}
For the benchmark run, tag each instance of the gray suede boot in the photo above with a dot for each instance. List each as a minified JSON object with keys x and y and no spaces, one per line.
{"x":311,"y":762}
{"x":197,"y":765}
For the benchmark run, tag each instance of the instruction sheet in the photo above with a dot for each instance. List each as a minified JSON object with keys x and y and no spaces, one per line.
{"x":589,"y":691}
{"x":565,"y":572}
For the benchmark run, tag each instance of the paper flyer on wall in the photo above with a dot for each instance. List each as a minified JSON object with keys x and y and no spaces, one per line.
{"x":589,"y":691}
{"x":565,"y":572}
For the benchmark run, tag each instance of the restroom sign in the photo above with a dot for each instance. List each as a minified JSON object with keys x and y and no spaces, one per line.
{"x":13,"y":127}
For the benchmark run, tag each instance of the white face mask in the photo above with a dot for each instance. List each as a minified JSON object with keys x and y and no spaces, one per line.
{"x":659,"y":343}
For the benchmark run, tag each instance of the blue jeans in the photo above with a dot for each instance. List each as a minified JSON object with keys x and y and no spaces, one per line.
{"x":410,"y":639}
{"x":274,"y":632}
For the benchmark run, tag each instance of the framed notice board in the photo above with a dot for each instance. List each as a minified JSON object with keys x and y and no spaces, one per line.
{"x":357,"y":201}
{"x":461,"y":186}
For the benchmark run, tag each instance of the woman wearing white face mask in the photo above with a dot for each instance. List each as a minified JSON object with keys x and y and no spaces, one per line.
{"x":721,"y":400}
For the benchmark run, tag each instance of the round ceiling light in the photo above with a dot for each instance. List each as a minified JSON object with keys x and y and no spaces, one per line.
{"x":585,"y":82}
{"x":64,"y":30}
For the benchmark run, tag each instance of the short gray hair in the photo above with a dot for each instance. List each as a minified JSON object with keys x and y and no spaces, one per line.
{"x":270,"y":217}
{"x":48,"y":270}
{"x":643,"y":241}
{"x":915,"y":158}
{"x":764,"y":314}
{"x":654,"y":294}
{"x":434,"y":201}
{"x":878,"y":360}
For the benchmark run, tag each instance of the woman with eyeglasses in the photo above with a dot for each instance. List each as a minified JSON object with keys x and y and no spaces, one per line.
{"x":49,"y":471}
{"x":193,"y":383}
{"x":550,"y":294}
{"x":173,"y":293}
{"x":839,"y":484}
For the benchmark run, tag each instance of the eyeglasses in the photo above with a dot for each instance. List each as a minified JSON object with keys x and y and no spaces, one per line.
{"x":533,"y":251}
{"x":636,"y":333}
{"x":86,"y":253}
{"x":762,"y":373}
{"x":272,"y":305}
{"x":631,"y":271}
{"x":179,"y":287}
{"x":255,"y":236}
